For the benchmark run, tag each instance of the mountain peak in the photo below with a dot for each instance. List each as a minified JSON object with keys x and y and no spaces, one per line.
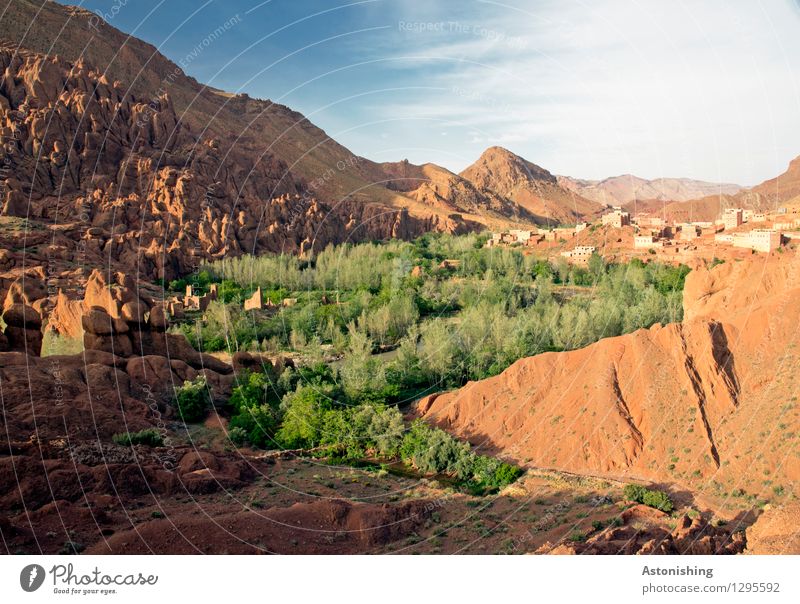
{"x":530,"y":186}
{"x":498,"y":162}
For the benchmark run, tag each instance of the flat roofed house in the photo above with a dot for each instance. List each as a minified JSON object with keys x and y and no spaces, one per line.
{"x":617,"y":218}
{"x":644,"y":241}
{"x":579,"y":255}
{"x":764,"y":240}
{"x":689,"y":232}
{"x":732,"y":218}
{"x":521,"y":236}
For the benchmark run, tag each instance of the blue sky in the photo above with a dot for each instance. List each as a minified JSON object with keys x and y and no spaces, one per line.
{"x":593,"y":88}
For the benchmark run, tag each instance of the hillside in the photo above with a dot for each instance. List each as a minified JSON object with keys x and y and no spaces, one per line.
{"x":118,"y":154}
{"x":437,"y":187}
{"x":529,"y":186}
{"x":706,"y":404}
{"x":782,"y":189}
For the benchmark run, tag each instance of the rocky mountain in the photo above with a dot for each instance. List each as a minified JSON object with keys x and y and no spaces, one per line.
{"x":621,"y":190}
{"x":437,"y":187}
{"x":781,"y":190}
{"x":113,"y":155}
{"x":532,"y":188}
{"x":706,"y":403}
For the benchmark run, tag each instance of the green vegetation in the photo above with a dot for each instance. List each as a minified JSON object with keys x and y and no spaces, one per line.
{"x":149,"y":437}
{"x":320,"y":415}
{"x":255,"y":413}
{"x":450,"y":325}
{"x":193,"y":400}
{"x":444,"y":322}
{"x":655,"y":499}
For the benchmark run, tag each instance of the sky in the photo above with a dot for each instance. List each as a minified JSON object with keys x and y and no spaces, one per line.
{"x":591,"y":89}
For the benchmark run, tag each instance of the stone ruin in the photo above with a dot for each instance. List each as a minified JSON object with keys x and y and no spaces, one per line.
{"x":191,"y":301}
{"x":255,"y":302}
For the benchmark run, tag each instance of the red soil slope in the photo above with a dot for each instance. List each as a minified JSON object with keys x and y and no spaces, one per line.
{"x":707,"y":403}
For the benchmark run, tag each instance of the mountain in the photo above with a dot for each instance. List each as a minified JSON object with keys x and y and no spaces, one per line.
{"x":531,"y":187}
{"x":783,"y":190}
{"x":620,"y":190}
{"x":677,"y":403}
{"x":437,"y":187}
{"x":120,"y":158}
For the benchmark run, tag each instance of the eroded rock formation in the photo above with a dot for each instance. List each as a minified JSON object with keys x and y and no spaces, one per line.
{"x":706,"y":402}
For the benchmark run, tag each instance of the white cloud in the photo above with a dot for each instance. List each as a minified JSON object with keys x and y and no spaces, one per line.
{"x":707,"y":90}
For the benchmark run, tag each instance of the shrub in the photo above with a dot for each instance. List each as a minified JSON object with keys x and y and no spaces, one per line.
{"x":432,"y":451}
{"x":304,"y":416}
{"x":658,"y":500}
{"x":655,"y":499}
{"x":238,"y":436}
{"x":253,"y":389}
{"x":258,"y":424}
{"x":634,"y":492}
{"x":506,"y":474}
{"x":149,"y":437}
{"x":256,"y":415}
{"x":193,"y":400}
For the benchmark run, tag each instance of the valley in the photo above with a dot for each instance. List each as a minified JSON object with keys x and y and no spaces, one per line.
{"x":223,"y":332}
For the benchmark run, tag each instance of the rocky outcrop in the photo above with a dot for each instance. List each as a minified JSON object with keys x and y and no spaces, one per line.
{"x":259,"y":363}
{"x":23,"y":322}
{"x":114,"y":318}
{"x":119,"y":179}
{"x":646,"y":531}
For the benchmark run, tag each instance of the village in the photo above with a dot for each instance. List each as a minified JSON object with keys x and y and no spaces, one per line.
{"x":618,"y":236}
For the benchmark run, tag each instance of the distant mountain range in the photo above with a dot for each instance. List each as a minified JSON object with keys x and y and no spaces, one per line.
{"x":619,"y":190}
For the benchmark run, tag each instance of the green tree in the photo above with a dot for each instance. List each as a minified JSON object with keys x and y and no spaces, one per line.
{"x":304,"y":416}
{"x":193,"y":400}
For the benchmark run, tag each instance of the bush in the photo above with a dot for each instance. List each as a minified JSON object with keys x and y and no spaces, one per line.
{"x":655,"y":499}
{"x":506,"y":474}
{"x":257,"y":424}
{"x":304,"y":416}
{"x":634,"y":492}
{"x":433,"y":451}
{"x":238,"y":436}
{"x":252,"y":389}
{"x":193,"y":400}
{"x":149,"y":437}
{"x":658,"y":500}
{"x":255,"y":406}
